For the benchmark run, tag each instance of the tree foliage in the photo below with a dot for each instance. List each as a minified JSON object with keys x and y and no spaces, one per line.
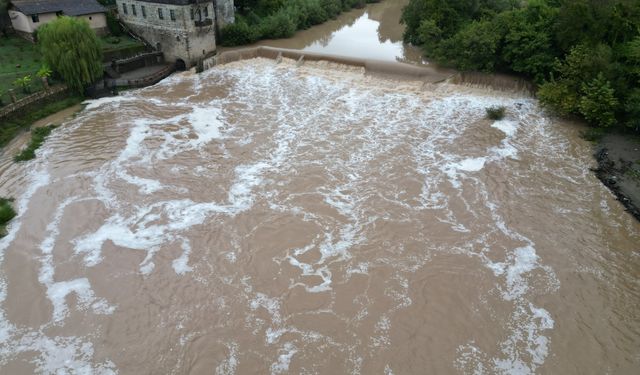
{"x":72,"y":49}
{"x":584,"y":54}
{"x":272,"y":19}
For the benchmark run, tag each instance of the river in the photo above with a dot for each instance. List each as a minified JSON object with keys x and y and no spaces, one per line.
{"x":276,"y":218}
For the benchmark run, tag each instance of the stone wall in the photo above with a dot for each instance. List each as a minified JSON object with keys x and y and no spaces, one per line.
{"x":182,"y":30}
{"x":33,"y":101}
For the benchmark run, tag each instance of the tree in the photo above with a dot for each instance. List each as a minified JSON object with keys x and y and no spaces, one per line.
{"x":72,"y":49}
{"x":598,"y":103}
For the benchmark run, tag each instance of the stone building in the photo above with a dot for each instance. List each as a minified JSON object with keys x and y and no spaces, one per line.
{"x":28,"y":15}
{"x":184,"y":30}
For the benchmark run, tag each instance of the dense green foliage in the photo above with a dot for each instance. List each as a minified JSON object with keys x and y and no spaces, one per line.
{"x":583,"y":54}
{"x":11,"y":127}
{"x":6,"y":214}
{"x":38,"y":136}
{"x":496,"y":113}
{"x":71,"y":48}
{"x":273,"y":19}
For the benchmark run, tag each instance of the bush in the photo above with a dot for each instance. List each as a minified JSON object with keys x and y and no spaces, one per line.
{"x":496,"y":113}
{"x":598,"y":103}
{"x":280,"y":25}
{"x":474,"y":47}
{"x":558,"y":97}
{"x":238,"y":33}
{"x":6,"y":214}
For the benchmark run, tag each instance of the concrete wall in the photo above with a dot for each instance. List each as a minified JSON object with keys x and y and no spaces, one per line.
{"x":25,"y":26}
{"x":23,"y":23}
{"x":183,"y":38}
{"x":98,"y":22}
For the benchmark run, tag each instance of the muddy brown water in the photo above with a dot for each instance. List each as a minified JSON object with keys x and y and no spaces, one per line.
{"x":270,"y":218}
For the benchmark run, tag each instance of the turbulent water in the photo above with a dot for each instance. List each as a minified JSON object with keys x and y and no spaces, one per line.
{"x":265,"y":218}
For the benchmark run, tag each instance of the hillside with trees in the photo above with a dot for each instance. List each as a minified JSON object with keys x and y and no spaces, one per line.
{"x":584,"y":55}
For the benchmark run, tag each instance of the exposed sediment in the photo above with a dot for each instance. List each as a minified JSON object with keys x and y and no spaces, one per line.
{"x":619,"y":169}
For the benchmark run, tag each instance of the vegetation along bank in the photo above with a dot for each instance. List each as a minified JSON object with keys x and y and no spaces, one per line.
{"x":274,"y":19}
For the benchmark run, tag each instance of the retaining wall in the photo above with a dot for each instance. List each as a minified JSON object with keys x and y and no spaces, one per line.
{"x":33,"y":101}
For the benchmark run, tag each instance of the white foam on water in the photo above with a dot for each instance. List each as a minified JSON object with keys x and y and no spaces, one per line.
{"x":229,"y":365}
{"x":284,"y":359}
{"x":423,"y":130}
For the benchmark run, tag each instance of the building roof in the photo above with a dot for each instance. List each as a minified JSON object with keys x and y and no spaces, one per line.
{"x":67,"y":7}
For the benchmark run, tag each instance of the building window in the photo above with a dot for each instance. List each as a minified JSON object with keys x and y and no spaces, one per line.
{"x":172,"y":14}
{"x":206,"y":11}
{"x":191,"y":14}
{"x":124,"y":8}
{"x":144,"y":11}
{"x":90,"y":18}
{"x":133,"y":10}
{"x":35,"y":18}
{"x":160,"y":15}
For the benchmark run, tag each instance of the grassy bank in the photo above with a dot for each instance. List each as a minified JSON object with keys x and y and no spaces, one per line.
{"x":266,"y":19}
{"x":38,"y":136}
{"x":10,"y":128}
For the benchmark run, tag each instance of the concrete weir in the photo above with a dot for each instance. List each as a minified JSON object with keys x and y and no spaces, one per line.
{"x":397,"y":70}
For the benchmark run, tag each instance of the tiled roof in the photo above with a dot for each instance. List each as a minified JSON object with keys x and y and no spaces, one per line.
{"x":67,"y":7}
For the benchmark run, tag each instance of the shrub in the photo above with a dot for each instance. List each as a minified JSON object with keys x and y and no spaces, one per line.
{"x":6,"y":213}
{"x":44,"y":72}
{"x":279,"y":25}
{"x":238,"y":33}
{"x":496,"y":113}
{"x":24,"y":83}
{"x":331,"y":7}
{"x":598,"y":103}
{"x":558,"y":97}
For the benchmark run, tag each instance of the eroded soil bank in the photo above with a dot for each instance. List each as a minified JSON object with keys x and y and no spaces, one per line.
{"x":618,"y":168}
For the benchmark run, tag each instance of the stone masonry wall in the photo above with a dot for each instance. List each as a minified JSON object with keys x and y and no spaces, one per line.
{"x":185,"y":38}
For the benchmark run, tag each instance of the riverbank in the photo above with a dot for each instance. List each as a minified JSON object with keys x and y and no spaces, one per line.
{"x":618,"y":158}
{"x":11,"y":128}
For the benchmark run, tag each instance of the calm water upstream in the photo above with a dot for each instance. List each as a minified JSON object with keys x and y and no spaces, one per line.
{"x":268,"y":218}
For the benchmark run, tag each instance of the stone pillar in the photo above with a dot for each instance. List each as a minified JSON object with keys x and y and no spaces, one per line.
{"x":12,"y":94}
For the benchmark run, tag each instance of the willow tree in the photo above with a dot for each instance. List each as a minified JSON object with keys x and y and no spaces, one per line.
{"x":72,"y":49}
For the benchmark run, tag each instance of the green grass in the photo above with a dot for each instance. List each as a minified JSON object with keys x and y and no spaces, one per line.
{"x":124,"y":41}
{"x":38,"y":136}
{"x":18,"y":58}
{"x":12,"y":127}
{"x":6,"y":214}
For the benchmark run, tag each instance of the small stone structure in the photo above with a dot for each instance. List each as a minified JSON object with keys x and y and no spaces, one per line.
{"x":184,"y":30}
